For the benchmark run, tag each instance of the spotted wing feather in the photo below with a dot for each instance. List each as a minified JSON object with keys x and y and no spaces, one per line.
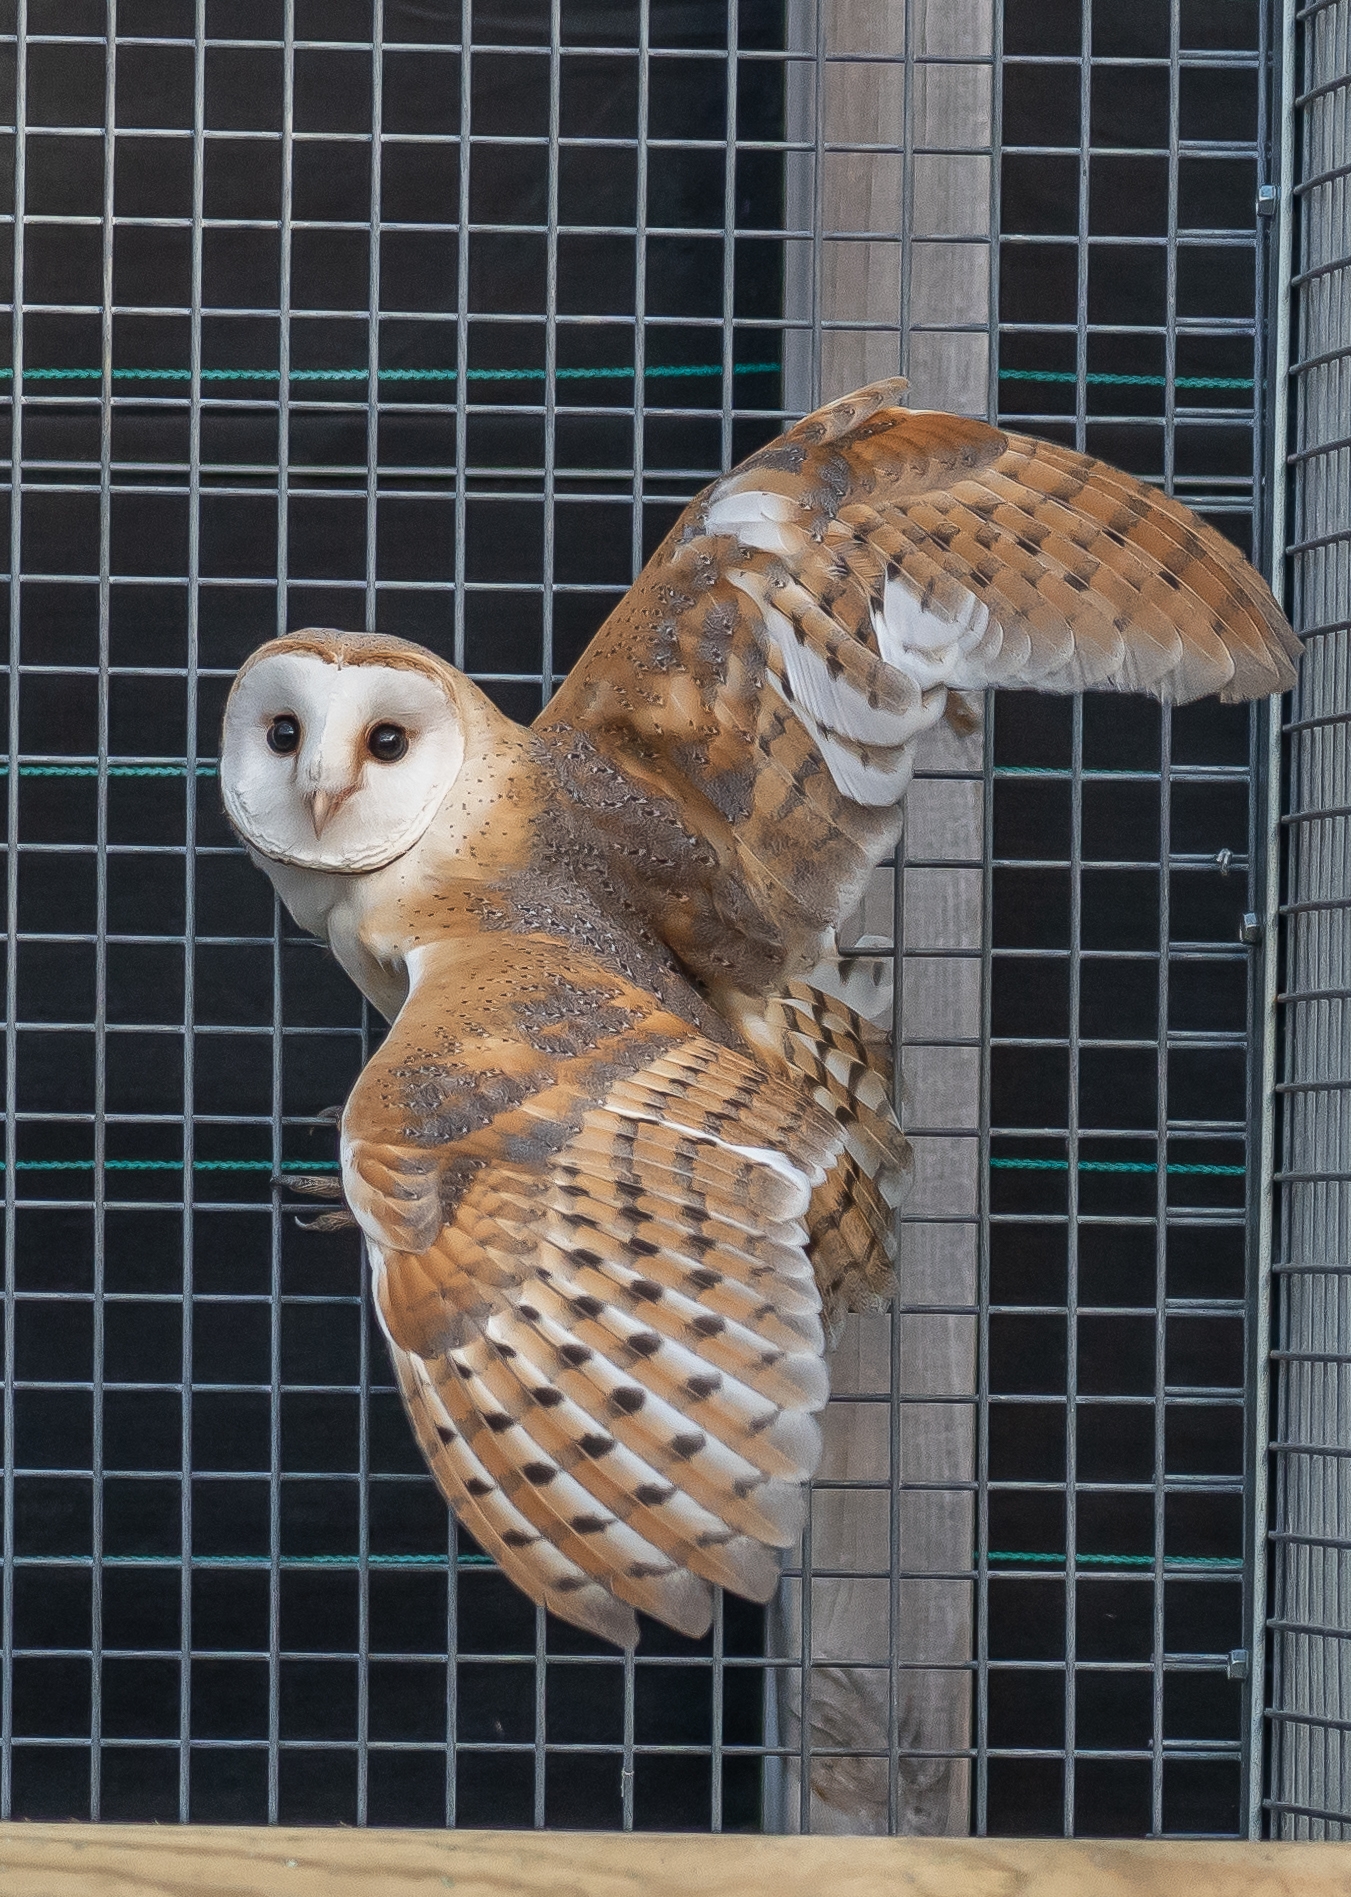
{"x":752,"y":706}
{"x":844,"y":1064}
{"x":598,"y":1297}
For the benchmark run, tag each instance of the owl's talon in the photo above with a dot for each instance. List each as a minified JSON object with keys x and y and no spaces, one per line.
{"x":339,"y":1221}
{"x":312,"y":1185}
{"x":320,"y":1185}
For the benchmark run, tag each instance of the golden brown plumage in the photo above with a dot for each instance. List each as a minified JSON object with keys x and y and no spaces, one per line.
{"x":623,"y":1148}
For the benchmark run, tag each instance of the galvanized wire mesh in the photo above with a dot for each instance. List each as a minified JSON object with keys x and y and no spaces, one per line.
{"x":1310,"y":1790}
{"x":429,"y":317}
{"x":1132,"y":269}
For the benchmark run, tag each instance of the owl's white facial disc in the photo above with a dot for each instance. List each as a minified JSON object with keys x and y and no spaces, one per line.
{"x":336,"y":767}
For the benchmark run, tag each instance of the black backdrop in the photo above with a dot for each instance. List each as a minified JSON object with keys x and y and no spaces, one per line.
{"x":202,"y":1380}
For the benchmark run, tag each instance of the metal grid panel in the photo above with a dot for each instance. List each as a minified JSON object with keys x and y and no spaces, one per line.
{"x":1131,"y":278}
{"x":349,"y":329}
{"x":1311,"y":1515}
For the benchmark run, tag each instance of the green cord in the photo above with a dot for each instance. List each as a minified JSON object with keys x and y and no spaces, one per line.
{"x":110,"y":770}
{"x":299,"y":1561}
{"x":663,"y":370}
{"x":393,"y":375}
{"x":1129,"y":381}
{"x":1122,"y":1560}
{"x":1109,"y":1165}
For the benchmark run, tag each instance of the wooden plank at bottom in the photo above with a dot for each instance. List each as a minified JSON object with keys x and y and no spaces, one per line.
{"x":226,"y":1861}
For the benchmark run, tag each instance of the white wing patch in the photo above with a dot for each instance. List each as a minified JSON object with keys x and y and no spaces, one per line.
{"x":866,"y":747}
{"x":835,"y":704}
{"x":932,"y":647}
{"x":766,"y":1156}
{"x":756,"y":518}
{"x":877,"y":779}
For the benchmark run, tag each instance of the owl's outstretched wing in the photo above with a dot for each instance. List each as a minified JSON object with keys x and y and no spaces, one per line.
{"x":586,"y":1226}
{"x":745,"y":719}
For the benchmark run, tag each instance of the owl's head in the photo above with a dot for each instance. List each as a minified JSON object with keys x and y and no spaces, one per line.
{"x":339,"y":748}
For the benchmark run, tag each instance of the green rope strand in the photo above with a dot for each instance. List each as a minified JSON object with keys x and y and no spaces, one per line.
{"x":1129,"y":381}
{"x":1120,"y":1560}
{"x":1109,"y":1165}
{"x":91,"y":769}
{"x":438,"y":1561}
{"x":669,"y":371}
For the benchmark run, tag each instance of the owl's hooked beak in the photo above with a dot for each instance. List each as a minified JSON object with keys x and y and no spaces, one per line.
{"x":325,"y":804}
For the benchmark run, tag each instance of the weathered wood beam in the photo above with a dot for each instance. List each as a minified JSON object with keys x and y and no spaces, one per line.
{"x":227,"y":1861}
{"x":854,"y":284}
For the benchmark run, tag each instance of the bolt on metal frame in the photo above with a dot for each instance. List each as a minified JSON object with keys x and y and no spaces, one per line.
{"x":201,"y":469}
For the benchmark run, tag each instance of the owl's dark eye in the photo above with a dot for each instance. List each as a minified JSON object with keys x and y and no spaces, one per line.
{"x":283,"y":734}
{"x":388,"y":743}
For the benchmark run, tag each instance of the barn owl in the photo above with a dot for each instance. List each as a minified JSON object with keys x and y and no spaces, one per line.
{"x":625,"y":1155}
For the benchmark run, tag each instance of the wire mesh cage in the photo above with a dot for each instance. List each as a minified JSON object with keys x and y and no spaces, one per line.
{"x":1311,"y":1712}
{"x":429,"y":317}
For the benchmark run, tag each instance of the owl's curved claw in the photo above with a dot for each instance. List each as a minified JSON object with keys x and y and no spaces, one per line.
{"x":319,"y":1185}
{"x":312,"y":1185}
{"x":339,"y":1221}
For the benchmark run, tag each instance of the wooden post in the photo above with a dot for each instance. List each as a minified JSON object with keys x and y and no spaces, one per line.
{"x":904,"y":264}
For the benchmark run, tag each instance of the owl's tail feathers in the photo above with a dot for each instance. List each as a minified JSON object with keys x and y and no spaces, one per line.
{"x":846,"y":1062}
